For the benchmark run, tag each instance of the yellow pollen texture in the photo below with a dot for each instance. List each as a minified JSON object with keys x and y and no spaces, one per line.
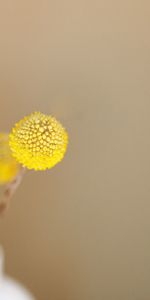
{"x":38,"y":141}
{"x":9,"y":167}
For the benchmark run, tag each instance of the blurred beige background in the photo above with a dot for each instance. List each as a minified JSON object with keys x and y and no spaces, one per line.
{"x":82,"y":230}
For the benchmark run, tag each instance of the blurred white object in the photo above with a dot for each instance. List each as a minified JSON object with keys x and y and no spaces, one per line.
{"x":9,"y":288}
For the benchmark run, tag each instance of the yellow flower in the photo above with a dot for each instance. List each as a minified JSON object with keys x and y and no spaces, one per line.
{"x":38,"y":141}
{"x":9,"y":167}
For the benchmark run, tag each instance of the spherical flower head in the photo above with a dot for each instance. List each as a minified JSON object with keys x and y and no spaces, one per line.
{"x":38,"y":141}
{"x":9,"y":167}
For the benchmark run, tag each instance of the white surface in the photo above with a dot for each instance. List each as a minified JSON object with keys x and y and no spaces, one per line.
{"x":11,"y":290}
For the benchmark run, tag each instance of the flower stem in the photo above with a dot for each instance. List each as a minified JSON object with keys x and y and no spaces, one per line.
{"x":10,"y":189}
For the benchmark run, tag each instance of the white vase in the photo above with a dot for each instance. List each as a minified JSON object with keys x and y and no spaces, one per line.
{"x":9,"y":288}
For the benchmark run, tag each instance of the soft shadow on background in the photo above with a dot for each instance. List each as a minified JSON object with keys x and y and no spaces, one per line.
{"x":82,"y":230}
